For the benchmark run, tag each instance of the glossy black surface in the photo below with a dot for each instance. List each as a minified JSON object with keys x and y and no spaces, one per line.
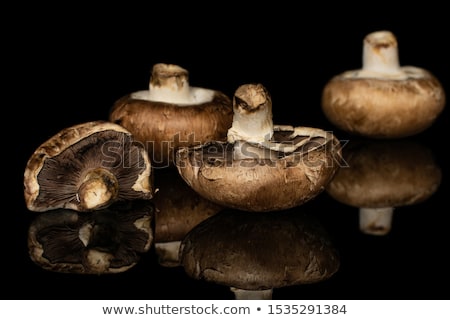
{"x":72,"y":68}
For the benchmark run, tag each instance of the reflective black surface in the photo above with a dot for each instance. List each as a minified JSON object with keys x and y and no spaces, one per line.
{"x":72,"y":69}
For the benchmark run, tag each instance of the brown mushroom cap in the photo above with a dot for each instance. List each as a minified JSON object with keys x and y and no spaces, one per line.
{"x":383,"y":99}
{"x":86,"y":167}
{"x":379,"y":108}
{"x":105,"y":241}
{"x":271,"y":180}
{"x":178,"y":209}
{"x":259,"y":251}
{"x":162,"y":127}
{"x":384,"y":174}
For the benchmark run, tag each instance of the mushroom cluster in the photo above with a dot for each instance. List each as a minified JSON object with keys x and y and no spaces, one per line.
{"x":230,"y":176}
{"x":383,"y":99}
{"x":172,"y":114}
{"x":262,"y":166}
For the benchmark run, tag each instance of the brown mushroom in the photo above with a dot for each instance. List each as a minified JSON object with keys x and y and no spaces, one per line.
{"x":261,"y":167}
{"x":109,"y":240}
{"x":384,"y":175}
{"x":85,"y":167}
{"x":178,"y":210}
{"x":383,"y":99}
{"x":172,"y":114}
{"x":255,"y":253}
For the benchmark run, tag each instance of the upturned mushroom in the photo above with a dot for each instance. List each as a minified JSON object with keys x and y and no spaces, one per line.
{"x":172,"y":113}
{"x":178,"y":210}
{"x":382,"y":176}
{"x":87,"y":167}
{"x":383,"y":99}
{"x":105,"y":241}
{"x":262,"y":166}
{"x":255,"y":253}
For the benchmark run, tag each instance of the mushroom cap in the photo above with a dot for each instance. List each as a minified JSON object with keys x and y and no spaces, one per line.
{"x":162,"y":127}
{"x":383,"y":108}
{"x":104,"y":241}
{"x":55,"y":171}
{"x":384,"y":174}
{"x":259,"y":251}
{"x":273,"y":181}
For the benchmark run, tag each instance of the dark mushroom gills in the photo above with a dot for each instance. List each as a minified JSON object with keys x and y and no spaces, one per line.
{"x":87,"y":167}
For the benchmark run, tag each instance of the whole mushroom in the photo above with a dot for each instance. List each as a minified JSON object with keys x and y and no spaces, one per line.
{"x":172,"y":113}
{"x":255,"y":253}
{"x":87,"y":167}
{"x":383,"y":99}
{"x":382,"y":176}
{"x":261,"y":167}
{"x":105,"y":241}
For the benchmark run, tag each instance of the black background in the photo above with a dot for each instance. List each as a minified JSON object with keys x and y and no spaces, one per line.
{"x":67,"y":65}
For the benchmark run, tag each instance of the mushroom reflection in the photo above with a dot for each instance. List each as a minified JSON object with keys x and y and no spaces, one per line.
{"x":383,"y":175}
{"x":104,"y":241}
{"x":254,"y":253}
{"x":178,"y":210}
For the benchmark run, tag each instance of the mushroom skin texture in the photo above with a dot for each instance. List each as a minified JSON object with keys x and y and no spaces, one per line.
{"x":87,"y":167}
{"x":255,"y":253}
{"x":105,"y":241}
{"x":178,"y":209}
{"x":382,"y":176}
{"x":262,"y":167}
{"x":383,"y":100}
{"x":173,"y":114}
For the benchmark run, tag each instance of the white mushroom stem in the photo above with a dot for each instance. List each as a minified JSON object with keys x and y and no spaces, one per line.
{"x":241,"y":294}
{"x":380,"y":56}
{"x":375,"y":221}
{"x":252,"y":128}
{"x":252,"y":117}
{"x":167,"y":253}
{"x":169,"y":83}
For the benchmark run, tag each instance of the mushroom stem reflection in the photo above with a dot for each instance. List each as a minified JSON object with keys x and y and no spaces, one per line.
{"x":241,"y":294}
{"x":376,"y":221}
